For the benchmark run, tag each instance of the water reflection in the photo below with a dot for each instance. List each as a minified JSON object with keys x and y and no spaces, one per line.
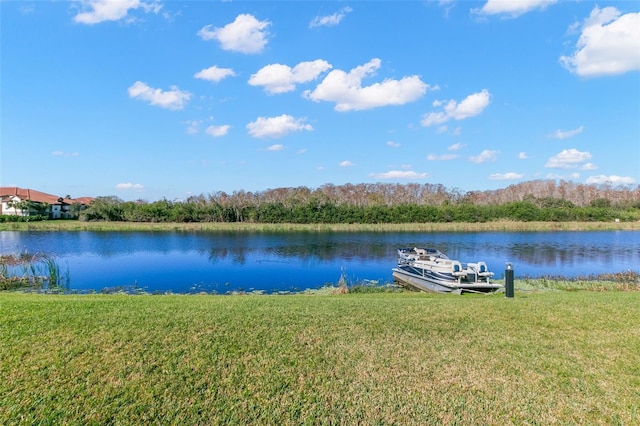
{"x":221,"y":261}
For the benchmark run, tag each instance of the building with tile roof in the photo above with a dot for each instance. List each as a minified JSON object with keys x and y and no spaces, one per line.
{"x":55,"y":207}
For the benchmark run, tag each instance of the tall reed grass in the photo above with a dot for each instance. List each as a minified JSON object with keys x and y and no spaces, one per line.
{"x":617,"y":281}
{"x":28,"y":271}
{"x":501,"y":225}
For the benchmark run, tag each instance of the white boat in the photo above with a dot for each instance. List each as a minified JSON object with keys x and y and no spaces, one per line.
{"x":431,"y":270}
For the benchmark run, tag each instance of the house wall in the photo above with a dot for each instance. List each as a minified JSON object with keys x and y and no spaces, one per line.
{"x":5,"y":209}
{"x":55,"y":211}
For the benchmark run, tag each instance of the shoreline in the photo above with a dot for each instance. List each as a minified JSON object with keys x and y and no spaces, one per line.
{"x":497,"y":226}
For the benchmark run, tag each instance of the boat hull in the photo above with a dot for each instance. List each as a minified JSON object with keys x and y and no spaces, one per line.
{"x":429,"y":282}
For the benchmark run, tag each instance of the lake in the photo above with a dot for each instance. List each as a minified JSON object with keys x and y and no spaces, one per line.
{"x":222,"y":262}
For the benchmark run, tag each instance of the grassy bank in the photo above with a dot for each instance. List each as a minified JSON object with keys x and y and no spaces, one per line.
{"x":74,"y":225}
{"x":406,"y":358}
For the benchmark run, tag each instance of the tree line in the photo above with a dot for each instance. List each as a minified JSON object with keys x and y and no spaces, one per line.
{"x":384,"y":203}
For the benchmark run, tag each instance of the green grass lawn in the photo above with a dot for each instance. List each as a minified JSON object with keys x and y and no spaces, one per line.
{"x":553,"y":357}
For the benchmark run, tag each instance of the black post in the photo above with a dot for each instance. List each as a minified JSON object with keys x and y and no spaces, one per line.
{"x":508,"y":280}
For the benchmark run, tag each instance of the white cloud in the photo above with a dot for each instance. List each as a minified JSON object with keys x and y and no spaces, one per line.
{"x":192,"y":126}
{"x":276,"y":147}
{"x":65,"y":154}
{"x":456,"y":146}
{"x":609,"y":44}
{"x":96,"y":11}
{"x":278,"y":78}
{"x":217,"y":131}
{"x":130,"y":187}
{"x":214,"y":74}
{"x":523,"y":156}
{"x":613,"y":180}
{"x":329,"y":20}
{"x":276,"y":127}
{"x":400,"y":175}
{"x":506,"y":176}
{"x":471,"y":106}
{"x":573,"y":176}
{"x":346,"y":163}
{"x":245,"y":35}
{"x":393,"y":144}
{"x":568,"y":159}
{"x":564,"y":134}
{"x":173,"y":99}
{"x":512,"y":8}
{"x":345,"y":89}
{"x":486,"y":155}
{"x":27,"y":9}
{"x":443,"y":157}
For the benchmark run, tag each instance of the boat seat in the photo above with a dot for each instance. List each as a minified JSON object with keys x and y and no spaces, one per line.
{"x":457,"y":270}
{"x":483,"y":270}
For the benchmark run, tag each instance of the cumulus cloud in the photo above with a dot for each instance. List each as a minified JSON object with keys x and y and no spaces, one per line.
{"x":329,"y":20}
{"x":470,"y":106}
{"x":129,"y":187}
{"x":276,"y":127}
{"x":564,"y":134}
{"x":217,"y":131}
{"x":173,"y":99}
{"x":278,"y":78}
{"x":400,"y":175}
{"x":214,"y":74}
{"x":612,"y":180}
{"x":523,"y":156}
{"x":486,"y":155}
{"x":96,"y":11}
{"x":456,"y":146}
{"x":393,"y":144}
{"x":346,"y":90}
{"x":609,"y":44}
{"x":512,"y":8}
{"x":568,"y":159}
{"x":346,"y":163}
{"x":443,"y":157}
{"x":506,"y":176}
{"x":245,"y":35}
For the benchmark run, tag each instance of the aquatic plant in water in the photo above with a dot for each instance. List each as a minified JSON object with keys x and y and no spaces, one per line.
{"x":27,"y":271}
{"x":620,"y":281}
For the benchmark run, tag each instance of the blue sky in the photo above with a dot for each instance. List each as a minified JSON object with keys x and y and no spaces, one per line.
{"x":151,"y":99}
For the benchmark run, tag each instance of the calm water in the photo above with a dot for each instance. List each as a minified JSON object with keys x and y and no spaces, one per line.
{"x":185,"y":262}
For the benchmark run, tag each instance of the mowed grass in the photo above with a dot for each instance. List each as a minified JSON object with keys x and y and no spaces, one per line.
{"x":402,"y":358}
